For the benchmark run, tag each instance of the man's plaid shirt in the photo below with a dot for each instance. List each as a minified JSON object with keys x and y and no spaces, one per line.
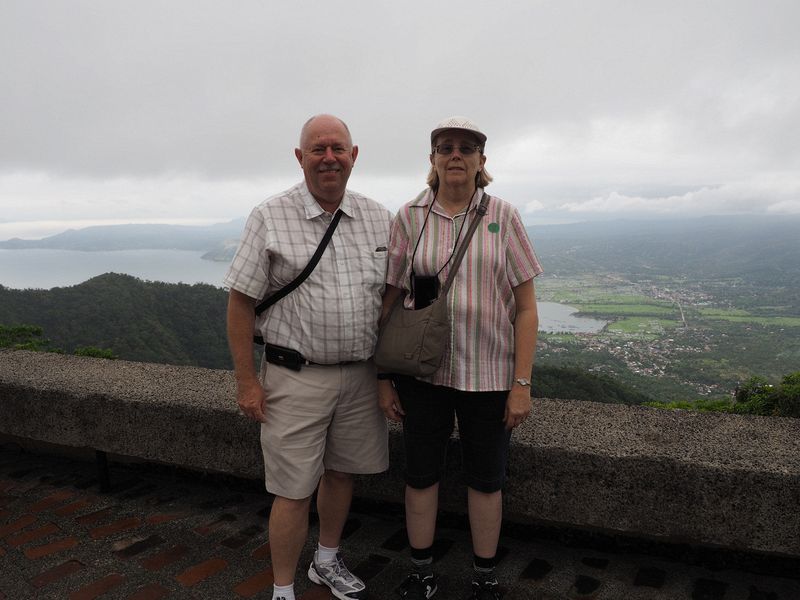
{"x":333,"y":316}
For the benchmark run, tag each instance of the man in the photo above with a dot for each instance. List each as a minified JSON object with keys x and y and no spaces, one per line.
{"x":319,"y":424}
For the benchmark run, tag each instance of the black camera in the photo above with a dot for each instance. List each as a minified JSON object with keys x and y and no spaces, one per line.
{"x":425,"y":289}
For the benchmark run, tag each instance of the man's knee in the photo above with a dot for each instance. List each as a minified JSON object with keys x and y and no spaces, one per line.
{"x":337,"y":477}
{"x":290,"y":505}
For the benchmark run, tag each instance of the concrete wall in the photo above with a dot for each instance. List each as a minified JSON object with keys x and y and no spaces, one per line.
{"x":674,"y":476}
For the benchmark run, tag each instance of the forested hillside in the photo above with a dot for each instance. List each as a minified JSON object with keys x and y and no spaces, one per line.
{"x":694,"y":307}
{"x":137,"y":320}
{"x":185,"y":325}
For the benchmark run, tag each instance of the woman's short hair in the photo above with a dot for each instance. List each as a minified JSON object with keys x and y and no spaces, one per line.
{"x":482,"y":177}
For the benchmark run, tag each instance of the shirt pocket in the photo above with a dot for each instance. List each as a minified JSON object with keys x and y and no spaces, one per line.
{"x":371,"y":280}
{"x":372,"y":266}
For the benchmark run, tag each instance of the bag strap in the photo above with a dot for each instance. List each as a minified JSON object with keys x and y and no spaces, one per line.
{"x":295,"y":283}
{"x":480,"y":211}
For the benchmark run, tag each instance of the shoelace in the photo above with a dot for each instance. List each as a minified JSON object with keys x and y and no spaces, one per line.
{"x":339,"y":569}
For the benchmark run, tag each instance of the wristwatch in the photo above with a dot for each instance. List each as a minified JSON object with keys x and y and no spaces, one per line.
{"x":523,"y":382}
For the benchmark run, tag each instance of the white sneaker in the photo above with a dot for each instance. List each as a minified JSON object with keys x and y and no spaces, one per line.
{"x":342,"y":583}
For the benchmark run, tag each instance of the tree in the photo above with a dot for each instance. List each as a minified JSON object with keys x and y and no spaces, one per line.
{"x":23,"y":337}
{"x":758,"y":397}
{"x":788,"y":401}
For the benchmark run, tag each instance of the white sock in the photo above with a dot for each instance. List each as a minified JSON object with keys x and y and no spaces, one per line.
{"x":326,"y":555}
{"x":283,"y":592}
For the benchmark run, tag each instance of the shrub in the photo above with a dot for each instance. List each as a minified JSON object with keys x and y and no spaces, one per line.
{"x":94,"y":352}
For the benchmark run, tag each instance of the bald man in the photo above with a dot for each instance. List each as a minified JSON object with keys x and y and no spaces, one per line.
{"x":316,"y":392}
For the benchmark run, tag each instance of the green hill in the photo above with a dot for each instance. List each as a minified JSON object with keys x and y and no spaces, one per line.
{"x":577,"y":384}
{"x":185,"y":325}
{"x":137,"y":320}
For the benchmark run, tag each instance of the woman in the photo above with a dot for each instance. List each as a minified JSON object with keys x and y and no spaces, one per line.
{"x":484,"y":376}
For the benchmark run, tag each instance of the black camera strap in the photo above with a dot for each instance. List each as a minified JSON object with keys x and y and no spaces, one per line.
{"x":295,"y":283}
{"x":458,"y":253}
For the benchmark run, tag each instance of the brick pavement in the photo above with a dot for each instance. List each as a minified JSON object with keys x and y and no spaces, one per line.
{"x":162,"y":533}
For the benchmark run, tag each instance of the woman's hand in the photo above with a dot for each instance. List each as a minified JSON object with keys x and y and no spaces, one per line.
{"x":518,"y":406}
{"x":389,"y":401}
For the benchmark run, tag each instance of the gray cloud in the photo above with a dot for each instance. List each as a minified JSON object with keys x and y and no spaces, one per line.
{"x":581,"y":100}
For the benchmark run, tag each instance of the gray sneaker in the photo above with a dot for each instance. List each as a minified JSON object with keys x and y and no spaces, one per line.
{"x":342,"y":583}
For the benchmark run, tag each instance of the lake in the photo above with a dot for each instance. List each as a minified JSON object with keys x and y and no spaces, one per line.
{"x":45,"y":269}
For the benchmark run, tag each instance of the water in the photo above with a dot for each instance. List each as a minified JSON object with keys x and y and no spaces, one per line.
{"x":560,"y":318}
{"x":45,"y":269}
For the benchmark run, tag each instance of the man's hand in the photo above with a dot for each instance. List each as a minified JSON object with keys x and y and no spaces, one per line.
{"x":518,"y":406}
{"x":252,"y":400}
{"x":389,"y":401}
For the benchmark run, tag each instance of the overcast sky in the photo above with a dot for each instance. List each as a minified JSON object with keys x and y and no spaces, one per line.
{"x":189,"y":111}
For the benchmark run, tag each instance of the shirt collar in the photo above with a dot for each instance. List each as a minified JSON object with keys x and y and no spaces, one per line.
{"x":426,"y":197}
{"x":313,"y":209}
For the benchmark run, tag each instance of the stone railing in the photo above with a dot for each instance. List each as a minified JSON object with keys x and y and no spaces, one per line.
{"x":711,"y":480}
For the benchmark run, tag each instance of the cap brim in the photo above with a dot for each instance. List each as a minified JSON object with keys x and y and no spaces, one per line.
{"x":479,"y":136}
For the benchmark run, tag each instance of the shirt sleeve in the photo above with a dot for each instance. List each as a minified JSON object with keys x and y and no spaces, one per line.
{"x":521,"y":261}
{"x":250,"y":265}
{"x":396,"y":272}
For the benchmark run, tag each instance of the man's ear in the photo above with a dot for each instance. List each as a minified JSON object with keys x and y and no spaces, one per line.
{"x":299,"y":154}
{"x":355,"y":154}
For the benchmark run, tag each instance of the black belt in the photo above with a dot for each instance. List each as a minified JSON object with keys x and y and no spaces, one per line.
{"x":292,"y":359}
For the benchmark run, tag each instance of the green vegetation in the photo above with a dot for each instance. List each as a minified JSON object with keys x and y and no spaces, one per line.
{"x":121,"y":316}
{"x":695,"y":308}
{"x":721,"y":312}
{"x":577,"y":384}
{"x":23,"y":337}
{"x":94,"y":352}
{"x":756,"y":397}
{"x":726,"y":337}
{"x":632,"y":309}
{"x":647,"y":326}
{"x":29,"y":337}
{"x":775,"y":321}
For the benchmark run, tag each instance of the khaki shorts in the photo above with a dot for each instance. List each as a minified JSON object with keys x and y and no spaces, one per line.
{"x":318,"y":418}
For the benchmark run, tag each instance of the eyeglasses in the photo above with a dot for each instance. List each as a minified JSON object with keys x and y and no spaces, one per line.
{"x":448,"y":149}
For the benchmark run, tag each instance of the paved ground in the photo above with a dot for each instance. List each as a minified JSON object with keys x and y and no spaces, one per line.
{"x":160,"y":533}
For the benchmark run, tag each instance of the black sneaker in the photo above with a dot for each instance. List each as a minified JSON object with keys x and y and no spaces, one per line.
{"x":485,"y":590}
{"x":418,"y":586}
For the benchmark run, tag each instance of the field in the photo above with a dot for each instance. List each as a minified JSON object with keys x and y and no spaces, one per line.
{"x":672,"y":339}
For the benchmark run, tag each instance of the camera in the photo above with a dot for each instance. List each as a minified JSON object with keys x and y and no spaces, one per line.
{"x":425,"y":289}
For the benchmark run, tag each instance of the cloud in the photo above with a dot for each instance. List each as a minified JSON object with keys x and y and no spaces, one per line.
{"x":780,"y":194}
{"x":787,"y":207}
{"x":32,"y":195}
{"x":534,"y":206}
{"x":151,"y":110}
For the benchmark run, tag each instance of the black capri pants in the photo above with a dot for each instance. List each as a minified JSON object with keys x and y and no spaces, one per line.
{"x":428,"y":425}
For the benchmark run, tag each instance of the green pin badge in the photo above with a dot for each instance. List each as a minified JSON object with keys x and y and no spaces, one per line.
{"x":494,"y":227}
